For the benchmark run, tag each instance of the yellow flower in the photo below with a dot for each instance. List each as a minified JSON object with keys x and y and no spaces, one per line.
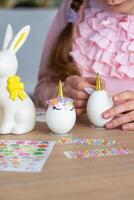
{"x":16,"y":88}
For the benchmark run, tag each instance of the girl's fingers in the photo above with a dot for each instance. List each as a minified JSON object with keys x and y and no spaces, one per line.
{"x":77,"y":82}
{"x":128,"y":126}
{"x":75,"y":94}
{"x":116,"y":110}
{"x":92,"y":81}
{"x":80,"y":103}
{"x":80,"y":111}
{"x":80,"y":83}
{"x":129,"y":117}
{"x":124,"y":96}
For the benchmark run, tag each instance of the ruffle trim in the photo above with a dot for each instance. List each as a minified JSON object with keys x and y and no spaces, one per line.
{"x":105,"y":43}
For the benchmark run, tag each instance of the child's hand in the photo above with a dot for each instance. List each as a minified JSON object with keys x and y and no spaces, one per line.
{"x":74,"y":88}
{"x":123,"y":111}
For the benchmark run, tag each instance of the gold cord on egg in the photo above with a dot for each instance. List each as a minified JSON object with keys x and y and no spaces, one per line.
{"x":98,"y":86}
{"x":60,"y":90}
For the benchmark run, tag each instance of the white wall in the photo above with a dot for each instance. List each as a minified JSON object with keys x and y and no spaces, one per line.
{"x":29,"y":55}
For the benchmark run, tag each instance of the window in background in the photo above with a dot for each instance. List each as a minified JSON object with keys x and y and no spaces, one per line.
{"x":30,"y":3}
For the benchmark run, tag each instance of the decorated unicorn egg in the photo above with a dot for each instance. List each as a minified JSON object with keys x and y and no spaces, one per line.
{"x":61,"y":115}
{"x":98,"y":102}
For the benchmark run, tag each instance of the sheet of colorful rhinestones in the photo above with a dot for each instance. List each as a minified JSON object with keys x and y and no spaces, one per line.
{"x":24,"y":156}
{"x":106,"y":147}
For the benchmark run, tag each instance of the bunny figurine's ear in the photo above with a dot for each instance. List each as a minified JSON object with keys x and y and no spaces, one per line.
{"x":20,"y":38}
{"x":8,"y":36}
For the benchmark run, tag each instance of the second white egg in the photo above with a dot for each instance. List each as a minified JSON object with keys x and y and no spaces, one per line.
{"x":99,"y":101}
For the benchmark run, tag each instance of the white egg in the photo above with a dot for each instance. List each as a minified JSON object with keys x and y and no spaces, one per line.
{"x":98,"y":102}
{"x":60,"y":121}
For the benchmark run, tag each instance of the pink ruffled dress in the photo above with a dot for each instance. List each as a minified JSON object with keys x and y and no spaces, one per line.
{"x":105,"y":44}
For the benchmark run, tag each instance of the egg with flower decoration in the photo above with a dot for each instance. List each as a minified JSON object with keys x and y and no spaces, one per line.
{"x":60,"y":115}
{"x":99,"y":101}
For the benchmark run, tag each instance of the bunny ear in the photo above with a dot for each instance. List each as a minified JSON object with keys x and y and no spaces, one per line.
{"x":8,"y":36}
{"x":20,"y":38}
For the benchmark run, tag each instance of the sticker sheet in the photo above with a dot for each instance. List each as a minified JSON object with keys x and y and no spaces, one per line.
{"x":96,"y":153}
{"x":24,"y":156}
{"x":88,"y":141}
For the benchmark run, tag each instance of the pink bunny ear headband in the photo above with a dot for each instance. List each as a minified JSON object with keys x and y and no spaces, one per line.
{"x":72,"y":16}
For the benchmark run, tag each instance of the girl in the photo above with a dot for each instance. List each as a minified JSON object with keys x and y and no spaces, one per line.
{"x":89,"y":37}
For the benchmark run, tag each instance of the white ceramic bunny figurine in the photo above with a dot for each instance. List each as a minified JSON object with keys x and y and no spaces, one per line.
{"x":17,"y":111}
